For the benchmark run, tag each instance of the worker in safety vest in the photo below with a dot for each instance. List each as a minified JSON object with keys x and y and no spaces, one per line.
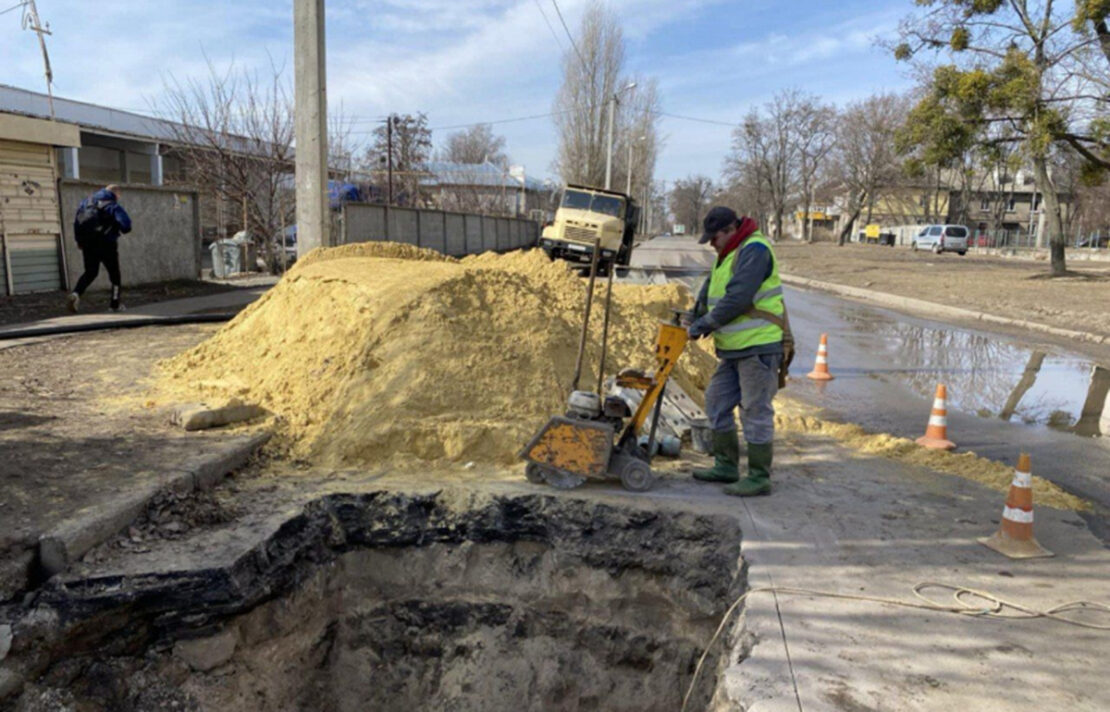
{"x":741,"y":305}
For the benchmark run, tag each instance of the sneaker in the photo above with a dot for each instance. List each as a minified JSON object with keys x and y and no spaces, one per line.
{"x":117,"y":308}
{"x":73,"y":301}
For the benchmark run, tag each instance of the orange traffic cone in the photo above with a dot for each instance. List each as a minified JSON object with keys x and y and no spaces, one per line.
{"x":1014,"y":537}
{"x":936,"y":434}
{"x":820,"y":370}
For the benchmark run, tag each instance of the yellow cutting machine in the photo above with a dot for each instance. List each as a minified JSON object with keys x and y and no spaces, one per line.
{"x":593,"y":440}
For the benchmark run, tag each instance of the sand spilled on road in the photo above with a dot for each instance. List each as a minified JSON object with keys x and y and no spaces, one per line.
{"x":793,"y":417}
{"x":377,"y":351}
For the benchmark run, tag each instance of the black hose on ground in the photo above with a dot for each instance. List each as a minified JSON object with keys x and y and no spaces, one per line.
{"x":127,"y":323}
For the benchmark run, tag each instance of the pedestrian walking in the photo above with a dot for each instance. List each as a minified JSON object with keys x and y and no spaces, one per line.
{"x":99,"y":222}
{"x":741,"y":305}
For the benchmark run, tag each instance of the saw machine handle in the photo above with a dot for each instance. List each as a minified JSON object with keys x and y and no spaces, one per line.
{"x":669,"y":345}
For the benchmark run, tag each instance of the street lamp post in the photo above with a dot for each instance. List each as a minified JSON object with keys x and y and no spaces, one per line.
{"x":628,"y":185}
{"x":609,"y":149}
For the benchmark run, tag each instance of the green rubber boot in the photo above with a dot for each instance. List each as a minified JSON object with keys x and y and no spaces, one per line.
{"x":758,"y":480}
{"x":726,"y":455}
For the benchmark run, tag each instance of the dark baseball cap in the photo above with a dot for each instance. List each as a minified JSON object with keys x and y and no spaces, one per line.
{"x":718,"y":219}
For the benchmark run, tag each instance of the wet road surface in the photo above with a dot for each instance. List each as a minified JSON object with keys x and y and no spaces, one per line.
{"x":1005,"y":395}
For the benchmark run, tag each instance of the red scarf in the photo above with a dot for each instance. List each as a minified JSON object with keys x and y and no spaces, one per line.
{"x":744,"y":230}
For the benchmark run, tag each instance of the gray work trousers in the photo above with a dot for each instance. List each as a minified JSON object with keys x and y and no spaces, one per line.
{"x":750,"y":383}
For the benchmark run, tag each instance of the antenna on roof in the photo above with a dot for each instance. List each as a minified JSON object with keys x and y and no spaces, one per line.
{"x":31,"y":22}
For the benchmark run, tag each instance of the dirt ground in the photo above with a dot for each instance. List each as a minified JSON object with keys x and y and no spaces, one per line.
{"x":66,"y":444}
{"x":45,"y":305}
{"x":1012,"y":288}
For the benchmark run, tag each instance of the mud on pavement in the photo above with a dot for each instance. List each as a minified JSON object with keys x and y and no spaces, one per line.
{"x":71,"y":441}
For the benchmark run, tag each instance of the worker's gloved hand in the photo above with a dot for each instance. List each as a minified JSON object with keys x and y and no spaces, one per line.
{"x":698,"y":329}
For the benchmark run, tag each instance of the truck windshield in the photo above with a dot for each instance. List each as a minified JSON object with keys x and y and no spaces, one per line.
{"x":577,"y":200}
{"x":604,"y":204}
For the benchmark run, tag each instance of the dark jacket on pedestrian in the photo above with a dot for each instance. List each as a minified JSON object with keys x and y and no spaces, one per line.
{"x":117,"y":220}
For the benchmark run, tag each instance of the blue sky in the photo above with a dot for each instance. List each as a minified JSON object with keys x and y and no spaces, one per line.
{"x":480,"y":60}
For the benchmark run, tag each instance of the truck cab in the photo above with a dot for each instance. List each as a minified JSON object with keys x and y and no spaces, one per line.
{"x":586,"y":214}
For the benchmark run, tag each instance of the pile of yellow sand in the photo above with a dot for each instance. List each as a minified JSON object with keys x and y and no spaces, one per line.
{"x":373,"y":351}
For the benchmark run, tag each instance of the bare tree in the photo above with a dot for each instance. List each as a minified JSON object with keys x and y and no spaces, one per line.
{"x":865,"y":160}
{"x":689,"y":201}
{"x":815,"y":124}
{"x":412,"y":147}
{"x":233,"y":133}
{"x":477,"y":144}
{"x":592,"y":75}
{"x":767,"y":146}
{"x":638,"y":138}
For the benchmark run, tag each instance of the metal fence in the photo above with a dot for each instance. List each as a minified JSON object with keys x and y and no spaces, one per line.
{"x":454,"y":234}
{"x":1098,"y":240}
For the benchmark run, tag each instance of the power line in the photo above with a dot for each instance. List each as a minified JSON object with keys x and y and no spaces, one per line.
{"x":13,"y":7}
{"x":554,"y":34}
{"x":697,"y":119}
{"x":569,"y":37}
{"x":502,"y":121}
{"x":494,"y":121}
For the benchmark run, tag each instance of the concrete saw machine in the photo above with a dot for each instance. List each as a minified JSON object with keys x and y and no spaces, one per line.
{"x":596,"y":439}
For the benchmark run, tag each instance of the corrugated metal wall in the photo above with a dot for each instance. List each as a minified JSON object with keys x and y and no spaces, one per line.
{"x":451,"y":233}
{"x":29,"y":218}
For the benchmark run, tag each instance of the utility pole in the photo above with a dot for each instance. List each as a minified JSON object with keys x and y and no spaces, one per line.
{"x":311,"y":124}
{"x":31,"y":22}
{"x":389,"y":155}
{"x":609,"y":148}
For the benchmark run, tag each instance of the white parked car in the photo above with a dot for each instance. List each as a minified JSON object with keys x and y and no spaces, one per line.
{"x":942,"y":238}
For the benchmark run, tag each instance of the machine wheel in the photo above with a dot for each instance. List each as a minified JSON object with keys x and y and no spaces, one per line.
{"x":561,"y":480}
{"x":534,"y":473}
{"x":636,"y":475}
{"x":961,"y":254}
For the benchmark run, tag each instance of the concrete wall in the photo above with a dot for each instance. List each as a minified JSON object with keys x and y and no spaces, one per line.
{"x":164,"y":242}
{"x":455,"y":234}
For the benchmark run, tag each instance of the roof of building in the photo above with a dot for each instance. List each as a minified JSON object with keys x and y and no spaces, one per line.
{"x":487,"y":175}
{"x":102,"y":119}
{"x":30,"y":103}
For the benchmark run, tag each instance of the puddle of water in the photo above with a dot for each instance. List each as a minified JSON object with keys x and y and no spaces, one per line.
{"x":992,"y":377}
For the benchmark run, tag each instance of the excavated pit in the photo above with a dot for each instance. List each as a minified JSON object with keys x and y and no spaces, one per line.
{"x":389,"y":601}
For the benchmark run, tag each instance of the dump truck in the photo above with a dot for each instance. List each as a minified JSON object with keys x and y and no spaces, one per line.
{"x":586,"y":214}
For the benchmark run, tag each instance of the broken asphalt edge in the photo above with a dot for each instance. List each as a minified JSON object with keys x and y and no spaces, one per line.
{"x":933,"y":309}
{"x":70,"y":539}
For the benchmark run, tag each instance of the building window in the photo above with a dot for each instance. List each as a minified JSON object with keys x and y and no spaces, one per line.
{"x":1011,"y":204}
{"x":985,"y":205}
{"x":1036,"y":202}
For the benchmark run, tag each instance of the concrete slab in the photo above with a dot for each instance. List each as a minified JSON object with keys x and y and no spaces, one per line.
{"x":672,"y":253}
{"x":68,"y":541}
{"x":869,"y":527}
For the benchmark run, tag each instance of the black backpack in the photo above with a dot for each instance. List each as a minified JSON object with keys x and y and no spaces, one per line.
{"x":92,"y":222}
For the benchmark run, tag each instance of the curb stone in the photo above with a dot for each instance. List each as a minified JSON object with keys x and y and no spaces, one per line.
{"x":932,"y":308}
{"x":71,"y":538}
